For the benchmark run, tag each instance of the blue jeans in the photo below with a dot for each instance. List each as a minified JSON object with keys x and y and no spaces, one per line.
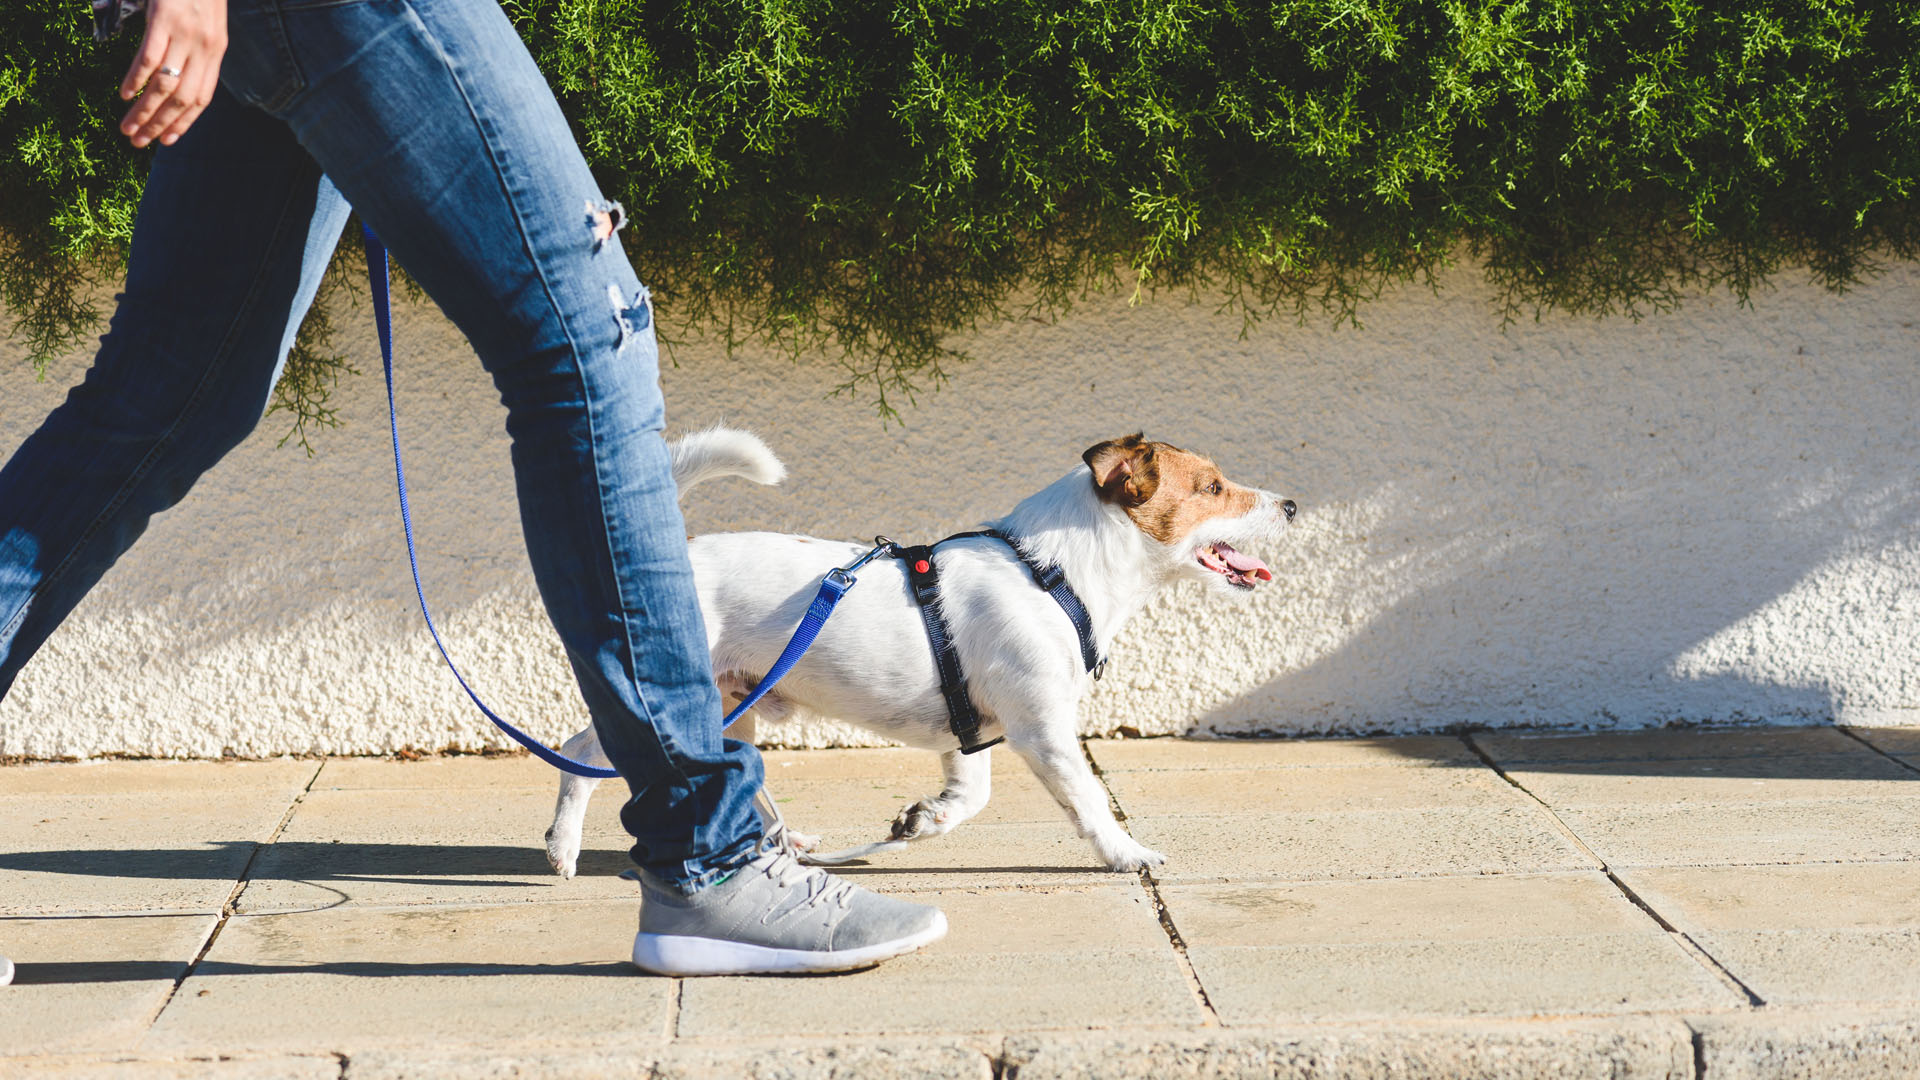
{"x":430,"y":119}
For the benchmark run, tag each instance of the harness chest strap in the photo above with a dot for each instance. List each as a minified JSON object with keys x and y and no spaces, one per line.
{"x":1053,"y":581}
{"x":923,"y":575}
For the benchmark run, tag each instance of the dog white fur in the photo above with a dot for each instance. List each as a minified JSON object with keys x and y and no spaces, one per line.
{"x":1134,"y":518}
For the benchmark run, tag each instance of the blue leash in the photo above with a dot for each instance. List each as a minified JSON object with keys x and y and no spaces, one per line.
{"x":835,"y":585}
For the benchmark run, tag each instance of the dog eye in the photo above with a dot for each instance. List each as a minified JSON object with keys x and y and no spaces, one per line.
{"x":1213,"y":488}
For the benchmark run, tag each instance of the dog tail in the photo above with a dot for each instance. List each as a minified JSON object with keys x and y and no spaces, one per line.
{"x":718,"y":451}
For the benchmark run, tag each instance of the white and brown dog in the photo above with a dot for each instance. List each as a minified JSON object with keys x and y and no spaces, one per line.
{"x":1136,"y":517}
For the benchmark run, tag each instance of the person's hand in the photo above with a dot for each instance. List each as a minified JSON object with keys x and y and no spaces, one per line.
{"x":178,"y":65}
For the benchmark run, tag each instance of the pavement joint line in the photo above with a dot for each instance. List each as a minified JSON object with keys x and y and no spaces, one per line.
{"x":1210,"y":1017}
{"x":674,"y":1001}
{"x":1863,"y":741}
{"x":1679,"y":937}
{"x":227,"y":908}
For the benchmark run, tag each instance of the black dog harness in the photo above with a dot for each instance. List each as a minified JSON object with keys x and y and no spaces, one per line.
{"x":924,"y":576}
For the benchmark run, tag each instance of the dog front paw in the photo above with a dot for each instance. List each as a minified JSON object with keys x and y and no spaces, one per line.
{"x":1130,"y":857}
{"x":563,"y":853}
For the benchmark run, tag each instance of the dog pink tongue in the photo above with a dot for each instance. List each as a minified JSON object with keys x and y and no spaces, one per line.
{"x":1246,"y":564}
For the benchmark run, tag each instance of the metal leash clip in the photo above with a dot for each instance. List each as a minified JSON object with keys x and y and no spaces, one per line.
{"x":843,"y":576}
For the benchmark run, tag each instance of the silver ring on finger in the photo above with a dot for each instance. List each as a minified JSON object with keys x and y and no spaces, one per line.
{"x":170,"y":71}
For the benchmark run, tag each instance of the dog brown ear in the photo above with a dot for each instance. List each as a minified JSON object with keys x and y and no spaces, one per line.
{"x":1123,"y":470}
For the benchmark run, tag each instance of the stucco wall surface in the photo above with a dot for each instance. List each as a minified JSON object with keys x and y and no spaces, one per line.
{"x":1706,"y":516}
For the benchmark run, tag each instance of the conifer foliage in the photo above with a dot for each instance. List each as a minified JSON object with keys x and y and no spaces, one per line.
{"x":870,"y":176}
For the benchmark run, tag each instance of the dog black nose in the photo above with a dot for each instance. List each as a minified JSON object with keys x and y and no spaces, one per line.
{"x":1287,"y":508}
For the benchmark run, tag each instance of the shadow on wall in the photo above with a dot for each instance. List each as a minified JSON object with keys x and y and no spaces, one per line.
{"x":1688,"y":601}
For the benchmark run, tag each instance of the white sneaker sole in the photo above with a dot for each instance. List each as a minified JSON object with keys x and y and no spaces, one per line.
{"x":667,"y":954}
{"x":6,"y":971}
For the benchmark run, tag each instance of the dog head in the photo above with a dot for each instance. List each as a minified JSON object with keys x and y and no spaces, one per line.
{"x":1186,"y":505}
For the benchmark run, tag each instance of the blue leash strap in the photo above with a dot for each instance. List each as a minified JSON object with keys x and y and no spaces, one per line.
{"x":834,"y":587}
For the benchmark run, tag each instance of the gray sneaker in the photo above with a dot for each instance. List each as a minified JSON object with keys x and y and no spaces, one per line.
{"x":774,"y":915}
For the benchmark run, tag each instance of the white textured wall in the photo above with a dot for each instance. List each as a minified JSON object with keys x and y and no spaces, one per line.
{"x":1704,"y":516}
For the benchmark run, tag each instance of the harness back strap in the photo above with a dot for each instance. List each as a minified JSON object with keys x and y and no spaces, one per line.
{"x":924,"y":578}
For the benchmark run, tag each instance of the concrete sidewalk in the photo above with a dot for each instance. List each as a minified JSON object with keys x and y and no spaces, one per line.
{"x":1739,"y":903}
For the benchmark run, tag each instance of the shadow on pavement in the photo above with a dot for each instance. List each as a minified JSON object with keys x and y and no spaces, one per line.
{"x":1768,"y":752}
{"x":115,"y":971}
{"x":478,"y":865}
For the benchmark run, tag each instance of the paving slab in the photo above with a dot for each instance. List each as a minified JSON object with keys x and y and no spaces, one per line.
{"x":1404,"y":910}
{"x":91,"y":984}
{"x":445,"y":1063}
{"x":1863,"y":774}
{"x":1513,"y":945}
{"x":1664,"y":744}
{"x":386,"y":846}
{"x":350,"y":978}
{"x":178,"y":847}
{"x":1801,"y":830}
{"x":1902,"y":743}
{"x":1804,"y":967}
{"x":211,"y":1067}
{"x":1332,"y":788}
{"x":511,"y":770}
{"x":1013,"y":961}
{"x":1845,"y":896}
{"x":1625,"y":1049}
{"x":1774,"y":1044}
{"x":1800,"y":934}
{"x":916,"y":1059}
{"x":696,"y":1059}
{"x":281,"y":776}
{"x":1302,"y":846}
{"x":1155,"y":755}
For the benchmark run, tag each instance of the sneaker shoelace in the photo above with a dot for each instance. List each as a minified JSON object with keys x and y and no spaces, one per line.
{"x":787,"y":871}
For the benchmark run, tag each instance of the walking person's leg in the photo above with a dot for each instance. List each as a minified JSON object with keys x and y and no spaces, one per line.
{"x":432,"y":119}
{"x":235,"y":228}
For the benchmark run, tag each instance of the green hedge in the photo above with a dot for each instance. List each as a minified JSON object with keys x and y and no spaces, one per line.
{"x":872,"y":176}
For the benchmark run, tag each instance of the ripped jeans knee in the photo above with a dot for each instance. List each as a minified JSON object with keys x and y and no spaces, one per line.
{"x":604,"y":218}
{"x":631,"y":316}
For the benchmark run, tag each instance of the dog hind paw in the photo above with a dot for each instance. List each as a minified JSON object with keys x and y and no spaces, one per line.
{"x":921,"y":820}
